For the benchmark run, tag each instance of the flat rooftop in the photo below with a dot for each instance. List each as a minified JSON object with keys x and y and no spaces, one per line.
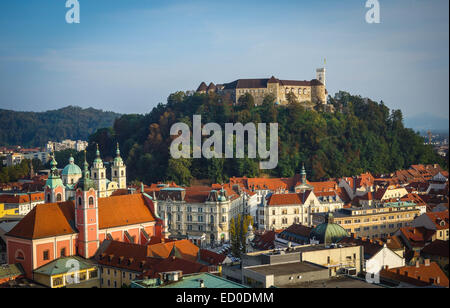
{"x":336,"y":283}
{"x":297,"y":249}
{"x":286,"y":268}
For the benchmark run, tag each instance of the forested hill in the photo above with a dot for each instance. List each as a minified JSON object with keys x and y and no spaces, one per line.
{"x":36,"y":128}
{"x":362,"y":135}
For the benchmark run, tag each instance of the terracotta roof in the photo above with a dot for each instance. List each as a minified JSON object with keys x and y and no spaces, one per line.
{"x":183,"y":248}
{"x":123,"y":210}
{"x":417,"y":237}
{"x":440,"y":219}
{"x":53,"y":219}
{"x":140,"y":258}
{"x":211,"y":257}
{"x":266,"y":240}
{"x":394,"y":243}
{"x":327,"y":186}
{"x":174,"y":264}
{"x":287,"y":199}
{"x":22,"y":198}
{"x":46,"y":220}
{"x":437,"y":248}
{"x":291,"y":233}
{"x":371,"y":247}
{"x":420,"y":275}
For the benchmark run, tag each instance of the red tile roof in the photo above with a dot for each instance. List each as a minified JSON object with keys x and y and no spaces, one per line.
{"x":421,"y":275}
{"x":211,"y":257}
{"x":440,"y":219}
{"x":437,"y":248}
{"x":53,"y":219}
{"x":22,"y":198}
{"x":174,"y":264}
{"x":46,"y":220}
{"x":287,"y":199}
{"x":123,"y":210}
{"x":417,"y":237}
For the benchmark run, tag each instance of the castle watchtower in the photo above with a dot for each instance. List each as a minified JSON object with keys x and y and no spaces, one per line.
{"x":321,"y":75}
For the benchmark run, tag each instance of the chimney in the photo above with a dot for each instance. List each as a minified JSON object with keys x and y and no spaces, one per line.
{"x":427,"y":262}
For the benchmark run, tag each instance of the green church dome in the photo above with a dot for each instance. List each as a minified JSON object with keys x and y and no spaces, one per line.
{"x":71,"y":168}
{"x":328,"y":233}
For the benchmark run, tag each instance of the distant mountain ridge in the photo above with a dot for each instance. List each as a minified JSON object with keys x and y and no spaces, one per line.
{"x":36,"y":128}
{"x":425,"y":122}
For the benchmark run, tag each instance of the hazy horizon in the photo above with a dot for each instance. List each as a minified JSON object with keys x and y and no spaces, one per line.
{"x":127,"y":57}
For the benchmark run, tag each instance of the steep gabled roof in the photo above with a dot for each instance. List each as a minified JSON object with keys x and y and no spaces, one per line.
{"x":46,"y":220}
{"x":123,"y":210}
{"x":55,"y":219}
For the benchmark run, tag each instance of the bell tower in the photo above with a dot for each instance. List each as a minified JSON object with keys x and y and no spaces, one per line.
{"x":54,"y":188}
{"x":119,"y":170}
{"x":86,"y":214}
{"x":98,"y":172}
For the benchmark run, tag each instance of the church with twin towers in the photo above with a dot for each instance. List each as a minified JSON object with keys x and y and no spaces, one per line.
{"x":60,"y":188}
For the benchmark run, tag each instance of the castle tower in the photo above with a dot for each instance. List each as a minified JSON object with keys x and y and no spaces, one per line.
{"x":321,"y":75}
{"x":98,"y":172}
{"x":119,"y":170}
{"x":86,"y":214}
{"x":54,"y":188}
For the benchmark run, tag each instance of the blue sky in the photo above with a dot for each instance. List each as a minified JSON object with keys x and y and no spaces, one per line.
{"x":129,"y":55}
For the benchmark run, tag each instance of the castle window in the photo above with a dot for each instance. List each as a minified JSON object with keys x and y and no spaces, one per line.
{"x":58,"y":198}
{"x":91,"y":201}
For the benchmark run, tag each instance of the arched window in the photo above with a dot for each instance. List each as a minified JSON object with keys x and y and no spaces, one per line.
{"x":122,"y":173}
{"x":80,"y":201}
{"x":48,"y":197}
{"x":95,"y":175}
{"x":20,"y":255}
{"x":71,"y":181}
{"x":115,"y":173}
{"x":91,"y":200}
{"x":58,"y":198}
{"x":299,"y":91}
{"x":102,"y":175}
{"x":305,"y":91}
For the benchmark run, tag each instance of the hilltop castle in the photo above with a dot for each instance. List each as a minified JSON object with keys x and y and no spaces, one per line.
{"x":313,"y":91}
